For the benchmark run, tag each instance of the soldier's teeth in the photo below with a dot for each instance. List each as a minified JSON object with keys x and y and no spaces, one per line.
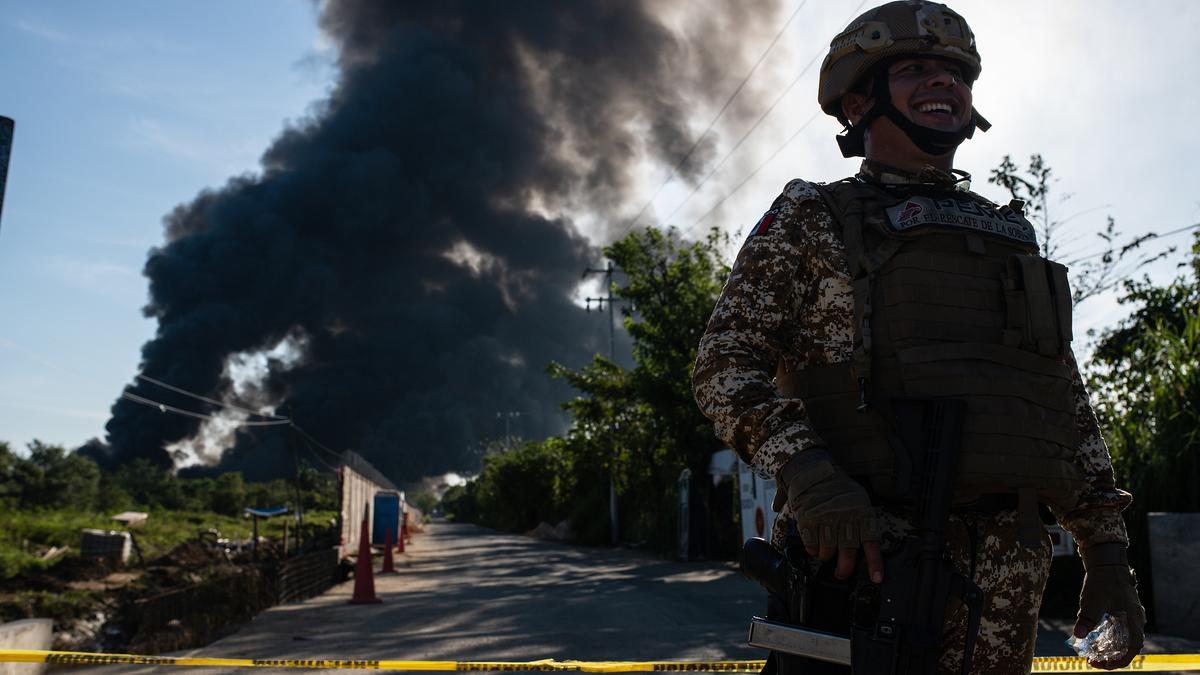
{"x":934,"y":107}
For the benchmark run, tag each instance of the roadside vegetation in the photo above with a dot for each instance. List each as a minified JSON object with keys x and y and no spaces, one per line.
{"x":1146,"y":386}
{"x":196,"y":526}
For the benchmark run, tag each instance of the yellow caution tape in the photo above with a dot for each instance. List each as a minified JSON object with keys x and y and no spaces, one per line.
{"x":1041,"y":664}
{"x":1143,"y":664}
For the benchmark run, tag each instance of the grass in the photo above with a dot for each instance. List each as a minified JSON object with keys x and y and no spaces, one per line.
{"x":25,"y":535}
{"x":62,"y":606}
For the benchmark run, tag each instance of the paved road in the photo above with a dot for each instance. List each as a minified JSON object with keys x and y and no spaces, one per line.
{"x":468,"y":594}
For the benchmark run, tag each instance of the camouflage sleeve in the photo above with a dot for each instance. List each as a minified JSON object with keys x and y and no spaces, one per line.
{"x":755,"y":325}
{"x":1096,"y":518}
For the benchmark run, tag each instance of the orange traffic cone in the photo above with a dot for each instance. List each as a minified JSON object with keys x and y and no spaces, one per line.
{"x":364,"y":576}
{"x":403,"y":532}
{"x":389,"y":564}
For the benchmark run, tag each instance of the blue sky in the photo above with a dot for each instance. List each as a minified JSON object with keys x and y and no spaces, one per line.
{"x":126,"y":109}
{"x":123,"y":111}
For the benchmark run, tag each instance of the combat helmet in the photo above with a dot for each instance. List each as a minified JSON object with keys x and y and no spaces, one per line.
{"x":881,"y":35}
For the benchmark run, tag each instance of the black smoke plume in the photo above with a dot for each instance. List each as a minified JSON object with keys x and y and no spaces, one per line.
{"x":411,"y":239}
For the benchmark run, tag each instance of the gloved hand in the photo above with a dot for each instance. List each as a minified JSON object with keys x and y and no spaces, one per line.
{"x":1109,"y":586}
{"x":833,"y":513}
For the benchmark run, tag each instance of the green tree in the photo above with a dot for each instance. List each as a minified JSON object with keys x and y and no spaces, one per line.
{"x":10,"y":489}
{"x":53,"y":478}
{"x":460,"y":503}
{"x":267,"y":494}
{"x":149,"y":485}
{"x":607,"y":423}
{"x":318,"y":490}
{"x":111,"y":498}
{"x":1145,"y":375}
{"x":643,"y":426}
{"x":229,"y":494}
{"x":638,"y":428}
{"x":424,"y":500}
{"x":517,"y":487}
{"x":197,"y":493}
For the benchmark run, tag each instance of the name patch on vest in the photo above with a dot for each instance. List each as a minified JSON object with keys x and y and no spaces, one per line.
{"x":916,"y":212}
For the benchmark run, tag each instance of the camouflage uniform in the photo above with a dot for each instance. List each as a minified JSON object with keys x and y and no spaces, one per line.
{"x":789,"y":301}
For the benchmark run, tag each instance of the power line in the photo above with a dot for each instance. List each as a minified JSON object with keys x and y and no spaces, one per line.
{"x":313,"y":452}
{"x":1185,"y":228}
{"x":163,"y":407}
{"x":309,"y":440}
{"x":1152,"y":237}
{"x":701,"y":137}
{"x":314,"y":441}
{"x":275,"y":420}
{"x":754,"y":173}
{"x":206,"y":399}
{"x":753,"y":127}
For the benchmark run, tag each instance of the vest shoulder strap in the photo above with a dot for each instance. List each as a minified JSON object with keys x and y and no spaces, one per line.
{"x":850,"y":200}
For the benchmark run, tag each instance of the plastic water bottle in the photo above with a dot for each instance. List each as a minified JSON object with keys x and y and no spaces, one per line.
{"x":1107,"y":641}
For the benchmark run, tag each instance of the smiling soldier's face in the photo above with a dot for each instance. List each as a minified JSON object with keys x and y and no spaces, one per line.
{"x":930,"y":92}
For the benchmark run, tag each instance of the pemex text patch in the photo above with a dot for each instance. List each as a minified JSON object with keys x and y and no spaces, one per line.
{"x":916,"y":212}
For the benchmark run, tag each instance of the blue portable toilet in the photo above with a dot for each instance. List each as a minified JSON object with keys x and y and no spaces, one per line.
{"x":387,"y":516}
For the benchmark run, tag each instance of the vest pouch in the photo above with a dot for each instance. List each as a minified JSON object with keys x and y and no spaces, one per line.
{"x":857,"y":441}
{"x":1038,"y":299}
{"x":1020,"y":429}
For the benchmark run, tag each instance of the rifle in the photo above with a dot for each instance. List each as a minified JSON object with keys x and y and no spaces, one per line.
{"x":896,"y":626}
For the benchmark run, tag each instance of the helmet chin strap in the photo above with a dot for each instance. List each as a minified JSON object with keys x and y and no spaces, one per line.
{"x":931,"y":141}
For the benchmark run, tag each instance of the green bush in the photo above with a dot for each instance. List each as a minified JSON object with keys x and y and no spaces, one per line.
{"x":424,"y":500}
{"x":229,"y":494}
{"x":518,"y":488}
{"x":1146,"y":376}
{"x":460,"y":503}
{"x":150,"y":486}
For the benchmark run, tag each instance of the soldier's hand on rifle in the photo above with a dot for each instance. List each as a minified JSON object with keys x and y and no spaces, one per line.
{"x":1109,"y":586}
{"x":833,"y":512}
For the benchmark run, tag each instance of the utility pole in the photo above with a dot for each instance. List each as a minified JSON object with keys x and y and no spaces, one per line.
{"x":6,"y":140}
{"x":600,"y":302}
{"x":612,"y":356}
{"x":507,"y":416}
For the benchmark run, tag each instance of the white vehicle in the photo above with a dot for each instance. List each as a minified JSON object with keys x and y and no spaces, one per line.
{"x":757,"y":493}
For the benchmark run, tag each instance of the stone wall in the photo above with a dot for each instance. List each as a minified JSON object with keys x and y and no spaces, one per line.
{"x":1174,"y":551}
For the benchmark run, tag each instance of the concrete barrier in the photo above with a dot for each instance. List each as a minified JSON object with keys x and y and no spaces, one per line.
{"x":1173,"y":553}
{"x":25,"y":634}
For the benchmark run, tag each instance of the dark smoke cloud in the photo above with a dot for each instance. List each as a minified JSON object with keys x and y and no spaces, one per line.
{"x":401,"y":237}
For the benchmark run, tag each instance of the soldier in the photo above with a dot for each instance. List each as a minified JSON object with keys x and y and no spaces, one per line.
{"x":901,"y":281}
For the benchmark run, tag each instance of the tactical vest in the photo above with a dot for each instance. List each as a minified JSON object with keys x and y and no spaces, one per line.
{"x":951,"y":300}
